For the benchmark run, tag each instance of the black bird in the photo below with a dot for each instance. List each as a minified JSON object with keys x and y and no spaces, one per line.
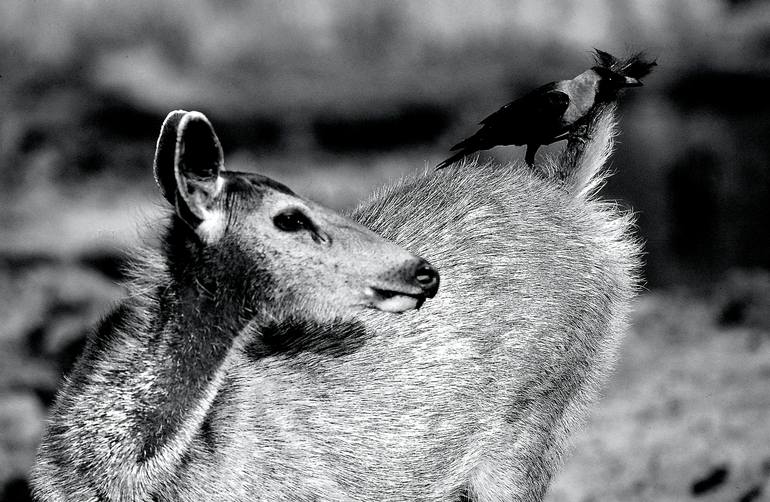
{"x":547,"y":114}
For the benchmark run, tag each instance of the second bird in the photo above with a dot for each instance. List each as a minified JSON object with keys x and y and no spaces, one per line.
{"x":547,"y":114}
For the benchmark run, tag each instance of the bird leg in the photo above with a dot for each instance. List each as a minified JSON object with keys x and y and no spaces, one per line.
{"x":580,"y":136}
{"x":529,"y":157}
{"x":579,"y":133}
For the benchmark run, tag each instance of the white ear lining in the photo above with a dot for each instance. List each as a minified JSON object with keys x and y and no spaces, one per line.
{"x":164,"y":168}
{"x":213,"y":220}
{"x":212,"y":227}
{"x":196,"y":186}
{"x":180,"y":136}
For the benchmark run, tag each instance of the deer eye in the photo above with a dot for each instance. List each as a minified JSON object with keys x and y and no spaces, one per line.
{"x":292,"y":220}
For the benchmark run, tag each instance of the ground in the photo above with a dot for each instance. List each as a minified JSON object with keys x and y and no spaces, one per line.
{"x":688,"y":398}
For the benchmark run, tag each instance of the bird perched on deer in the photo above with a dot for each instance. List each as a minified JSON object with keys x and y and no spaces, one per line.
{"x":548,"y":114}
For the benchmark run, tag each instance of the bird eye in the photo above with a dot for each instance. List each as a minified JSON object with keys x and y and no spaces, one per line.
{"x":292,"y":220}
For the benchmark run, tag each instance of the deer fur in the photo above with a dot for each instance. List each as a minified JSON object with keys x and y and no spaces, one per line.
{"x":239,"y":370}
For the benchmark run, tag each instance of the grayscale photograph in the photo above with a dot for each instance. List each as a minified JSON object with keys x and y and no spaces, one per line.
{"x":384,"y":250}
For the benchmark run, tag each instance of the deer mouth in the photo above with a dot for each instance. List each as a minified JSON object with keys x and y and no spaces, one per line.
{"x":388,"y":300}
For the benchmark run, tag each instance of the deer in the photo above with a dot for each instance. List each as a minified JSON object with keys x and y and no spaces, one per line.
{"x":272,"y":349}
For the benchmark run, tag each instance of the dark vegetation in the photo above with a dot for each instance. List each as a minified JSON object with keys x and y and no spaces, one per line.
{"x":408,"y":126}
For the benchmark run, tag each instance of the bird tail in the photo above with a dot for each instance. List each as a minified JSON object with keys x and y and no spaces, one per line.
{"x":466,"y":147}
{"x":467,"y":144}
{"x":454,"y":158}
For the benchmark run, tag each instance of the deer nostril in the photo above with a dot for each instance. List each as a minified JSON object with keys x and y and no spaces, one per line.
{"x":425,"y":275}
{"x":427,"y":278}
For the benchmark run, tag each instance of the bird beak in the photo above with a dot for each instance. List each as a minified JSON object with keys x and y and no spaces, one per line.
{"x":633,"y":82}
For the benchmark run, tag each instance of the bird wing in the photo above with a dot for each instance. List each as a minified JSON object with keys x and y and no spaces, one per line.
{"x":545,"y":102}
{"x":535,"y":116}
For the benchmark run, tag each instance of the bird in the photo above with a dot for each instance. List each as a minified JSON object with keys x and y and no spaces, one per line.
{"x":547,"y":114}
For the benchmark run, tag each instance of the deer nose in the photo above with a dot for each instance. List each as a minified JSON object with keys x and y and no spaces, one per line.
{"x":427,"y":278}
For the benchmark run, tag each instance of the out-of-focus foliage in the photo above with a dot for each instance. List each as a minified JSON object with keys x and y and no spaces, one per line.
{"x":306,"y":86}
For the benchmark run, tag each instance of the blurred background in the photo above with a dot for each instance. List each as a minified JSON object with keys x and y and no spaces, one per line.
{"x":335,"y":98}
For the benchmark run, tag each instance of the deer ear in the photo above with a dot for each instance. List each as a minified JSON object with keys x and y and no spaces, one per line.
{"x":188,"y":172}
{"x":198,"y":161}
{"x":165,"y":153}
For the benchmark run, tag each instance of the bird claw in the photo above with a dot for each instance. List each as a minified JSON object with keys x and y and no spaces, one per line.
{"x":582,"y":139}
{"x":580,"y":134}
